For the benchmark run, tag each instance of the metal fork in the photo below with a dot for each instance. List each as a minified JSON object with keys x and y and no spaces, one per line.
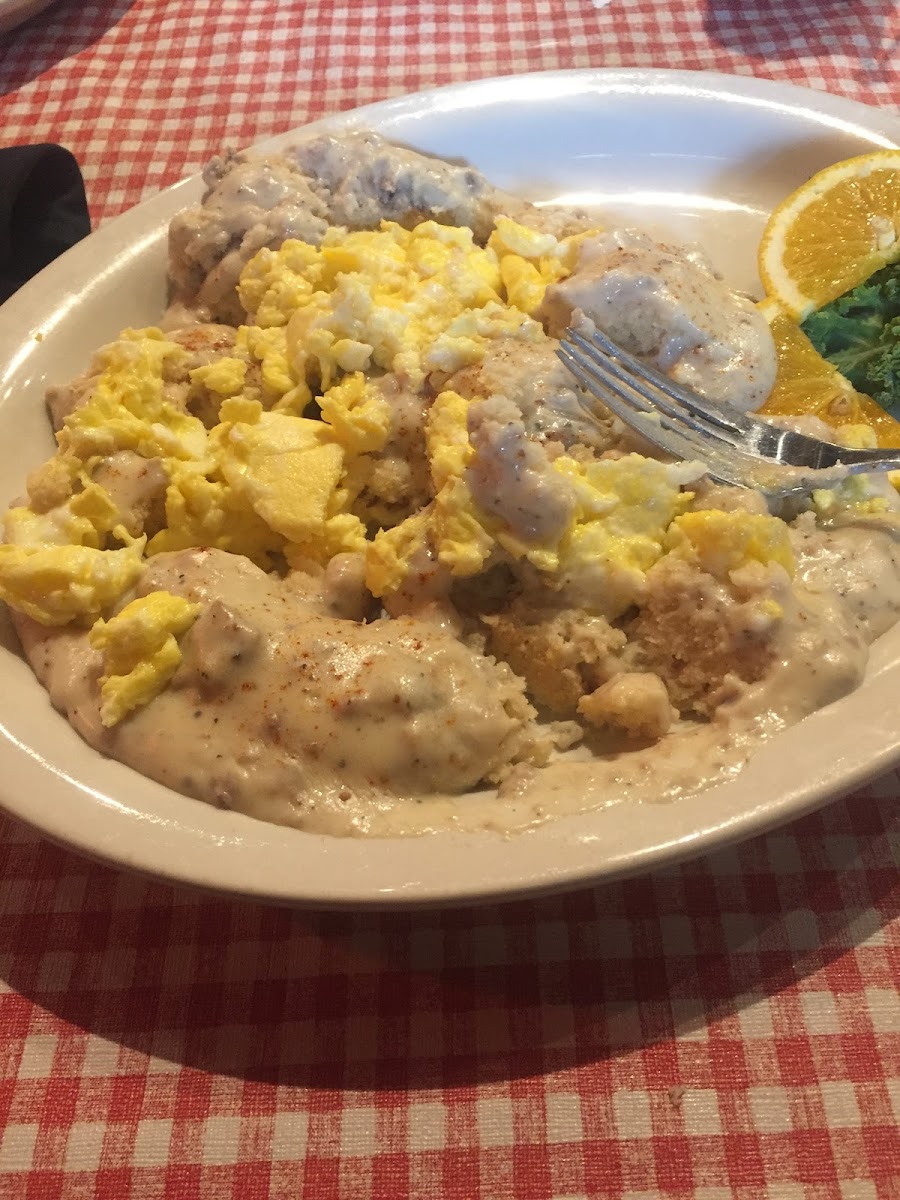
{"x":734,"y":448}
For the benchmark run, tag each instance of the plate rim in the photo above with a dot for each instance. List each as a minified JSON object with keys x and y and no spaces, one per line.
{"x":50,"y":815}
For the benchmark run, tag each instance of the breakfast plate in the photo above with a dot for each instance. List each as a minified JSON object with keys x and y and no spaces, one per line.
{"x":703,"y":156}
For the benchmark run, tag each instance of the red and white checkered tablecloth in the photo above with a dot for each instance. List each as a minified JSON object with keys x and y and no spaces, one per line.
{"x":729,"y":1028}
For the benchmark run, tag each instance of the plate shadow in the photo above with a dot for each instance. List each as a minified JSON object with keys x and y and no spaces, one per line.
{"x":433,"y":999}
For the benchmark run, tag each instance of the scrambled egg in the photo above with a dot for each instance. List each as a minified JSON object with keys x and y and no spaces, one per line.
{"x":410,"y":301}
{"x":259,"y":483}
{"x":129,"y":408}
{"x":627,"y":513}
{"x":625,"y":506}
{"x":857,"y":494}
{"x":723,"y":542}
{"x":140,"y":651}
{"x":82,"y":518}
{"x":529,"y":261}
{"x":58,"y":584}
{"x":273,"y":483}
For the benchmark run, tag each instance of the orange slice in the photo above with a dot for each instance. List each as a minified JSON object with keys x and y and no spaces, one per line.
{"x":832,"y":233}
{"x":808,"y":385}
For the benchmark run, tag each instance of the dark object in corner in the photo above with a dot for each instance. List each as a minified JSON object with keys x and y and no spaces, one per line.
{"x":43,"y":211}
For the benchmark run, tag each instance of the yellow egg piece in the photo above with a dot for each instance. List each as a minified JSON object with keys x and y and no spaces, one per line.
{"x":389,"y":554}
{"x":509,"y":237}
{"x":286,"y":467}
{"x":343,"y":533}
{"x":857,"y":437}
{"x":84,"y":519}
{"x":140,"y":651}
{"x":57,"y":584}
{"x":524,"y":283}
{"x":276,"y":282}
{"x":290,"y":491}
{"x":128,"y":408}
{"x":624,"y":507}
{"x":282,"y":388}
{"x":210,"y":512}
{"x":447,"y":437}
{"x":225,"y":376}
{"x":458,"y":528}
{"x":722,"y":542}
{"x":358,"y":413}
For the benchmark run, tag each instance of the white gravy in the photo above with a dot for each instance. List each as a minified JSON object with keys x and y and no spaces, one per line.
{"x":292,"y":715}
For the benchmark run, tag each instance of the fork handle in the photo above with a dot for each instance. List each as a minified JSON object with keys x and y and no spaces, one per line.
{"x":857,"y":465}
{"x":863,"y":468}
{"x":874,"y":459}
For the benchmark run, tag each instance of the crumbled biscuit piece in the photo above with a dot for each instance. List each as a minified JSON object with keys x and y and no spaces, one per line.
{"x":634,"y":702}
{"x":695,"y":634}
{"x":561,"y":655}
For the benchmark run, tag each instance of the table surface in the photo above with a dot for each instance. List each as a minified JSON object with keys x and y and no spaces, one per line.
{"x":729,"y":1028}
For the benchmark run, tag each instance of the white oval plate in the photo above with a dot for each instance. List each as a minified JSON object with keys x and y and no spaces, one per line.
{"x":707,"y":156}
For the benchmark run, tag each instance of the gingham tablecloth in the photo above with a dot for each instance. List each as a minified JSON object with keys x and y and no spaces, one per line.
{"x":730,"y":1028}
